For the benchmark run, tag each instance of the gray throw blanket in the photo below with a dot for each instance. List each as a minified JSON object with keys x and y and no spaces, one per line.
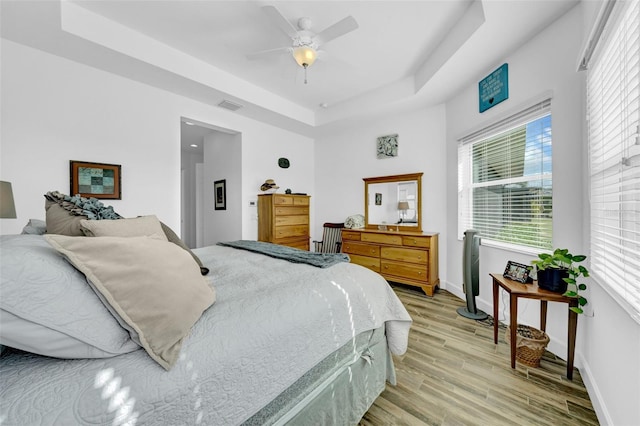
{"x":81,"y":206}
{"x":319,"y":260}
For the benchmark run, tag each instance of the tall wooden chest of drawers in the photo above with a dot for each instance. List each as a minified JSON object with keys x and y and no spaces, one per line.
{"x":284,"y":219}
{"x":404,"y":257}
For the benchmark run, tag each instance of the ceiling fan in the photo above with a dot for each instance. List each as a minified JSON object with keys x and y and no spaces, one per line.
{"x":305,"y":43}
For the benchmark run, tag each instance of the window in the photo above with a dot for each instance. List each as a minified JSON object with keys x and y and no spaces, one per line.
{"x":613,"y":124}
{"x":504,"y":180}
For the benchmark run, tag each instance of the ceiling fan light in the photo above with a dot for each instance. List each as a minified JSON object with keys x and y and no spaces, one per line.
{"x":305,"y":56}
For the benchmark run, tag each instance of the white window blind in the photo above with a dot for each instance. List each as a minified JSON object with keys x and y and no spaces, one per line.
{"x":613,"y":120}
{"x":505,"y":181}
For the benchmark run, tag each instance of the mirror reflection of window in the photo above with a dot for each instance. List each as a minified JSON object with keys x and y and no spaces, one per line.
{"x":407,"y":193}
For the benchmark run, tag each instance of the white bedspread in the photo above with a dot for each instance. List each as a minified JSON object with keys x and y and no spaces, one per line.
{"x":272,"y":321}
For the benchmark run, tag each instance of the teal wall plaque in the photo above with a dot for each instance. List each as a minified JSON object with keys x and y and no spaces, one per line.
{"x":494,"y":88}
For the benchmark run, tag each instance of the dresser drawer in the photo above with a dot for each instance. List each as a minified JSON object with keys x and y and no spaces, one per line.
{"x":404,"y":254}
{"x":416,"y":241}
{"x":291,"y":231}
{"x":300,"y":201}
{"x":302,"y":244}
{"x":287,"y":210}
{"x":361,"y":249}
{"x":292,"y":220}
{"x":350,"y":235}
{"x":368,"y":262}
{"x":383,"y":239}
{"x":404,"y":270}
{"x":282,"y":200}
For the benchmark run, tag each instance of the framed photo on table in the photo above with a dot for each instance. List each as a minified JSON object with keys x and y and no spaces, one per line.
{"x":95,"y":180}
{"x":517,"y":272}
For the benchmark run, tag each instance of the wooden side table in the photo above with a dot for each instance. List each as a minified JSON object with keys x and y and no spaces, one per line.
{"x":532,"y":291}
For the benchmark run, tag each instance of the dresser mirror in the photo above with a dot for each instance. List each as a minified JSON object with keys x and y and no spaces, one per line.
{"x":393,"y":202}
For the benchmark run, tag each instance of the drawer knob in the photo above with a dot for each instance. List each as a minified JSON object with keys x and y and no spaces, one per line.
{"x":386,"y":267}
{"x":373,"y":251}
{"x":419,"y":273}
{"x":415,"y":242}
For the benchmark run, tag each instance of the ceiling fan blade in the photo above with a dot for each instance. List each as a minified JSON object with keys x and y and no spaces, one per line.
{"x":279,"y":20}
{"x":269,"y":52}
{"x":336,"y":30}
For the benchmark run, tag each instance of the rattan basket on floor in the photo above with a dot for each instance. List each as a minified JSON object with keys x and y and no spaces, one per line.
{"x":530,"y":344}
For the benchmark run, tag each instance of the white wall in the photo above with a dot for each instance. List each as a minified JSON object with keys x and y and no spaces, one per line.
{"x":189,"y":161}
{"x":607,"y":342}
{"x":345,"y":158}
{"x":55,"y":110}
{"x":222,"y":160}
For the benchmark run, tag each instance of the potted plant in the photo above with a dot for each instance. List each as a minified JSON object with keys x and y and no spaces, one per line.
{"x":559,"y":270}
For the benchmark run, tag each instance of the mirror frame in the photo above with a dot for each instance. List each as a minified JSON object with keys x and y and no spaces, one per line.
{"x":390,"y":179}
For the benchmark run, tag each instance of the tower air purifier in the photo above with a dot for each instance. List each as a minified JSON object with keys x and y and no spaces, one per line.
{"x":470,"y":275}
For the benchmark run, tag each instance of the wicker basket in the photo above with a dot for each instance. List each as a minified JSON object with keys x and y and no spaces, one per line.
{"x":530,"y":344}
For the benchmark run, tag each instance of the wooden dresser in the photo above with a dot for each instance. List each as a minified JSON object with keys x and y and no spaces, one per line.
{"x":399,"y":256}
{"x":284,"y":219}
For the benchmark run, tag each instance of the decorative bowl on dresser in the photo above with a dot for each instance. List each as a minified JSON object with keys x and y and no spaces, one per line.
{"x":284,"y":219}
{"x":399,"y":256}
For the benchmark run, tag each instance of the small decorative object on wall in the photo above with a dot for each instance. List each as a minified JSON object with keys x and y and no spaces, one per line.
{"x":378,"y":199}
{"x":283,"y":163}
{"x":494,"y":88}
{"x":220,"y":194}
{"x":517,"y":272}
{"x":388,"y":146}
{"x":95,"y":180}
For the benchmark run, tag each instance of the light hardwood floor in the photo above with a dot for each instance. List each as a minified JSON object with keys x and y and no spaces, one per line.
{"x":453,"y":374}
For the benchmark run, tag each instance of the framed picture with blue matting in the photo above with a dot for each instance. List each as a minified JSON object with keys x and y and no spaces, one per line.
{"x":95,"y":180}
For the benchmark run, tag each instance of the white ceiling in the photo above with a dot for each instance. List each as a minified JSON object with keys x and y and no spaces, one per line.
{"x":405,"y":54}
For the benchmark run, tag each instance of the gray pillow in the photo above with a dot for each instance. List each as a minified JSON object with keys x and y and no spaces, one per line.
{"x":173,"y":237}
{"x":35,"y":227}
{"x":154,"y":286}
{"x":48,"y":308}
{"x":61,"y":221}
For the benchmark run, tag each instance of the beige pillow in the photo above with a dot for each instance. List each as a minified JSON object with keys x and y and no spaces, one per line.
{"x":61,"y":221}
{"x":143,"y":226}
{"x":154,"y":286}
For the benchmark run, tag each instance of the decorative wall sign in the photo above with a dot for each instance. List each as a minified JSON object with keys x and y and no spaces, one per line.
{"x":388,"y":146}
{"x":494,"y":88}
{"x":220,"y":194}
{"x":95,"y":180}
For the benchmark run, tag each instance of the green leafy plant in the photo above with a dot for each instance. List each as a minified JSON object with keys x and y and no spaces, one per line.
{"x":562,"y":259}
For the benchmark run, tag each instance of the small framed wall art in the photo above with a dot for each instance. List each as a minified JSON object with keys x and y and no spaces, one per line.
{"x":387,"y":146}
{"x":95,"y":180}
{"x":517,"y":272}
{"x":220,"y":194}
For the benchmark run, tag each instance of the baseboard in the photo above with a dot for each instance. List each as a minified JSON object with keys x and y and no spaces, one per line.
{"x":594,"y":393}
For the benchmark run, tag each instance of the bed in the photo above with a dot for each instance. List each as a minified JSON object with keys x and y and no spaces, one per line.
{"x":280,"y":343}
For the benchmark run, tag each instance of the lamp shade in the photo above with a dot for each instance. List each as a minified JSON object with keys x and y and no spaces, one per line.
{"x":305,"y":56}
{"x":403,"y":205}
{"x":7,"y":206}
